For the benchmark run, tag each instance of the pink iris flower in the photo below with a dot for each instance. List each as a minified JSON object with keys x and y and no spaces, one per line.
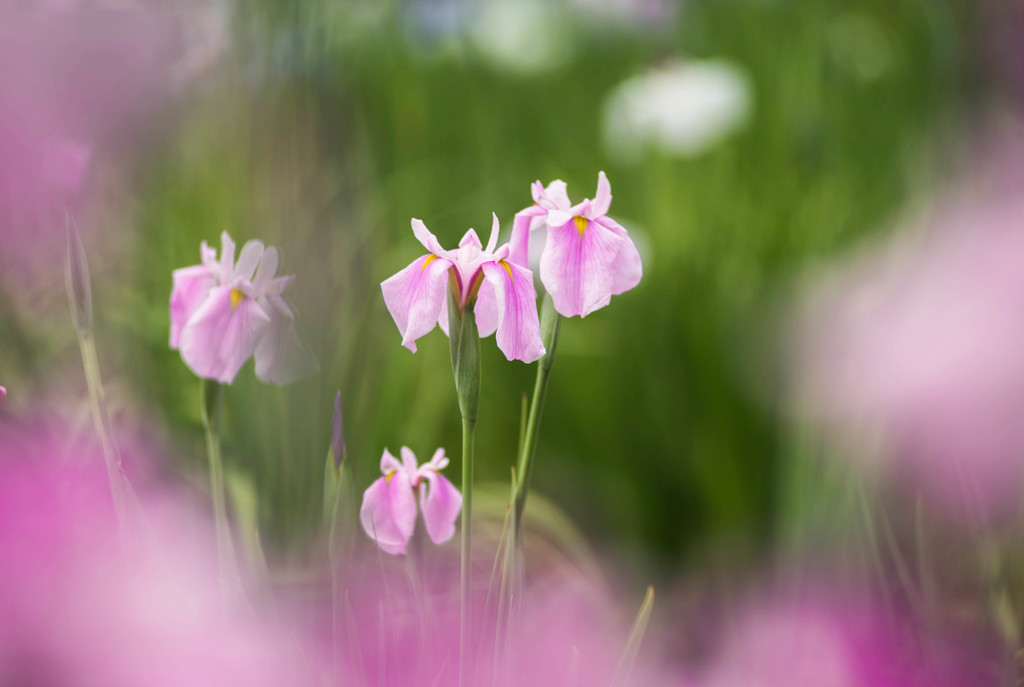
{"x":223,"y":312}
{"x":388,"y":513}
{"x":588,"y":256}
{"x":506,"y":302}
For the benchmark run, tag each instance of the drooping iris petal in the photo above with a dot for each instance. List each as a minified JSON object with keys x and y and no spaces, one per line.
{"x":519,"y":242}
{"x":577,"y":266}
{"x":440,"y":503}
{"x":627,"y":268}
{"x":191,"y":286}
{"x":222,"y":334}
{"x":415,"y":297}
{"x":486,"y":310}
{"x":388,"y":513}
{"x":518,"y":332}
{"x":281,"y":357}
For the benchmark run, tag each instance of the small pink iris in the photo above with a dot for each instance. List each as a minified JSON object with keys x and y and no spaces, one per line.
{"x":506,"y":301}
{"x":588,"y":256}
{"x":388,"y":513}
{"x":223,"y":312}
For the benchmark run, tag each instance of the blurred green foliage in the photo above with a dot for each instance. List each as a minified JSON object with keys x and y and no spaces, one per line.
{"x":332,"y":124}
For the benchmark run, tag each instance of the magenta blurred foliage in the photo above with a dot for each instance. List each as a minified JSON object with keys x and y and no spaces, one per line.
{"x":74,"y":78}
{"x":912,"y":353}
{"x":76,"y":608}
{"x":400,"y":626}
{"x":828,"y":640}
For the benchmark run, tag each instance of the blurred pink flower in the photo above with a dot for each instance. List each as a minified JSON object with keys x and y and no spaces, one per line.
{"x":914,"y":354}
{"x":3,"y":394}
{"x":221,"y":315}
{"x":388,"y":512}
{"x":588,"y":256}
{"x":78,"y":608}
{"x":506,"y":300}
{"x":399,"y":629}
{"x":831,"y":642}
{"x":71,"y":81}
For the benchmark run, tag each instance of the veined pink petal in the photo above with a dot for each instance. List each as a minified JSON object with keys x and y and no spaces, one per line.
{"x":471,"y":239}
{"x":281,"y":357}
{"x":626,"y":270}
{"x":190,"y":287}
{"x":388,"y":513}
{"x":577,"y":266}
{"x":416,"y":296}
{"x":486,"y":310}
{"x":603,"y":199}
{"x":222,"y":334}
{"x":429,"y":241}
{"x":554,"y":197}
{"x":440,"y":503}
{"x":526,"y":221}
{"x":492,"y":241}
{"x":518,"y":334}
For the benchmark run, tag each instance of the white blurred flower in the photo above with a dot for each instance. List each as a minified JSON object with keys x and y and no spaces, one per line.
{"x":681,"y":109}
{"x":527,"y":37}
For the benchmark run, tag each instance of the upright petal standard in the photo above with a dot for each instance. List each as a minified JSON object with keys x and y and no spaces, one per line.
{"x":502,"y":291}
{"x":388,"y":513}
{"x":223,"y":312}
{"x":588,"y":256}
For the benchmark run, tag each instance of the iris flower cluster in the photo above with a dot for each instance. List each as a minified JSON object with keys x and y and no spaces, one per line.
{"x":224,"y":311}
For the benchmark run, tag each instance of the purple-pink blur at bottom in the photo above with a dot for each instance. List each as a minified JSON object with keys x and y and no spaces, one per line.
{"x":912,"y":354}
{"x":77,"y":609}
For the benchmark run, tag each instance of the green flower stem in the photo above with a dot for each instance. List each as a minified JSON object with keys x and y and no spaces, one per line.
{"x":465,"y":351}
{"x":212,"y":403}
{"x":550,"y":321}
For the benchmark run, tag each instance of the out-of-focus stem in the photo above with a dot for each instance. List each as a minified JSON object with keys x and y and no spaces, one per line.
{"x":465,"y":352}
{"x":550,"y":321}
{"x":212,"y":402}
{"x":120,"y":490}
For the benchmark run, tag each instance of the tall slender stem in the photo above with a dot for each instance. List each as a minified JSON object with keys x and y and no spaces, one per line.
{"x":550,"y":321}
{"x":120,"y":489}
{"x":213,"y":401}
{"x":465,"y":351}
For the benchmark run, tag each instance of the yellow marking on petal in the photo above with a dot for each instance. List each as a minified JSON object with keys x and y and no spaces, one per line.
{"x":581,"y":223}
{"x":508,"y":268}
{"x":236,"y":297}
{"x":388,"y":475}
{"x":430,"y":259}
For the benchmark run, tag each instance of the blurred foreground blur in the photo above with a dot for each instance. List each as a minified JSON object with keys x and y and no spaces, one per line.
{"x":803,"y":426}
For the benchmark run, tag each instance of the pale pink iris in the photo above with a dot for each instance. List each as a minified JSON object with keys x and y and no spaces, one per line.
{"x":388,"y":513}
{"x":588,"y":256}
{"x":223,"y":312}
{"x":506,"y":302}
